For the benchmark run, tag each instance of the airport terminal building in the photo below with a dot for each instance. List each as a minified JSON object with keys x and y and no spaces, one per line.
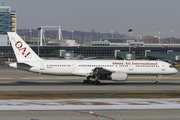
{"x":104,"y":48}
{"x":108,"y":52}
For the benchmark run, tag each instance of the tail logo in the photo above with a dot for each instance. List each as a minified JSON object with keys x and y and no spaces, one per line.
{"x":19,"y":46}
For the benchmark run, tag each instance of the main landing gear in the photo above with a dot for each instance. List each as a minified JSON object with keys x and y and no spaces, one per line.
{"x":91,"y":82}
{"x":88,"y":81}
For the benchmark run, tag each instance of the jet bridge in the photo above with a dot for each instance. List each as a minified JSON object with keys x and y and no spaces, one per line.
{"x":175,"y":56}
{"x":124,"y":55}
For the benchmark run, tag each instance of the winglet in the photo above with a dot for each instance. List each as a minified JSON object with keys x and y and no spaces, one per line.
{"x":22,"y":51}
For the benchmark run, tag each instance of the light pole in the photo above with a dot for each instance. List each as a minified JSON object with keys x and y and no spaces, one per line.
{"x":38,"y":38}
{"x":171,"y":36}
{"x":159,"y":37}
{"x":72,"y":33}
{"x":130,"y":31}
{"x":112,"y":34}
{"x":30,"y":31}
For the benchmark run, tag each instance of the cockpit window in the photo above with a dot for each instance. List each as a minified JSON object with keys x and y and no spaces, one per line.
{"x":170,"y":66}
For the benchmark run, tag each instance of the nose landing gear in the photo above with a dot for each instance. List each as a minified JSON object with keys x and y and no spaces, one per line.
{"x":157,"y":79}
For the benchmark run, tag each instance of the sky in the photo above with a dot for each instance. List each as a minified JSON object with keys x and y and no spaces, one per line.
{"x":144,"y":17}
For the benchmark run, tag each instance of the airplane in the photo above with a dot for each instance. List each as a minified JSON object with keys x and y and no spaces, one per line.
{"x":115,"y":70}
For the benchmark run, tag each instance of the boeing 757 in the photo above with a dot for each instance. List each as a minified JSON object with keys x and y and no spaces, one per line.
{"x":115,"y":70}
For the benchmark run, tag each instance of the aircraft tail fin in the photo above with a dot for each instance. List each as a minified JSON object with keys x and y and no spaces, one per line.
{"x":22,"y":51}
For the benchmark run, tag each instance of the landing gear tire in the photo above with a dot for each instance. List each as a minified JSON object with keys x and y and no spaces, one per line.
{"x":156,"y":82}
{"x":96,"y":78}
{"x":88,"y":78}
{"x":87,"y":81}
{"x":96,"y":82}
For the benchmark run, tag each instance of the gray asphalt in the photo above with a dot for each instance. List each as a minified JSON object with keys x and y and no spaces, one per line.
{"x":84,"y":115}
{"x":21,"y":82}
{"x":79,"y":86}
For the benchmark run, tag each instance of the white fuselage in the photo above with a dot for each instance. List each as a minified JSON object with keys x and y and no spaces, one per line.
{"x":83,"y":67}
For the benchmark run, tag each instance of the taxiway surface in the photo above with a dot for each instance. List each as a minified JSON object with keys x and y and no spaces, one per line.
{"x":14,"y":80}
{"x":79,"y":86}
{"x":85,"y":115}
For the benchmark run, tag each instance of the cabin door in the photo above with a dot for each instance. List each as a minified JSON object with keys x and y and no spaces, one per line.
{"x":41,"y":65}
{"x":73,"y":67}
{"x":130,"y":67}
{"x":163,"y":68}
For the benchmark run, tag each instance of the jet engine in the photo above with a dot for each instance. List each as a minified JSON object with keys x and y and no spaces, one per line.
{"x":118,"y":76}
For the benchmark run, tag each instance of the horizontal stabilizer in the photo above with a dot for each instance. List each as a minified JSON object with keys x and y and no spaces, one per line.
{"x":24,"y":65}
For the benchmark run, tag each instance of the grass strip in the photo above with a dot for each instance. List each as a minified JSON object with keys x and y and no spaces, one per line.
{"x":87,"y":95}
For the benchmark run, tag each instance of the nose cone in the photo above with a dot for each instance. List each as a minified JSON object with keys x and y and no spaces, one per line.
{"x":174,"y":71}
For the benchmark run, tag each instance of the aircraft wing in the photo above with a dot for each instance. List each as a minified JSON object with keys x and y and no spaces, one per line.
{"x":102,"y":73}
{"x":96,"y":70}
{"x":101,"y":70}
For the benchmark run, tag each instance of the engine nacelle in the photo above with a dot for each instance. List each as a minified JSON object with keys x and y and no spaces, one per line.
{"x":118,"y":76}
